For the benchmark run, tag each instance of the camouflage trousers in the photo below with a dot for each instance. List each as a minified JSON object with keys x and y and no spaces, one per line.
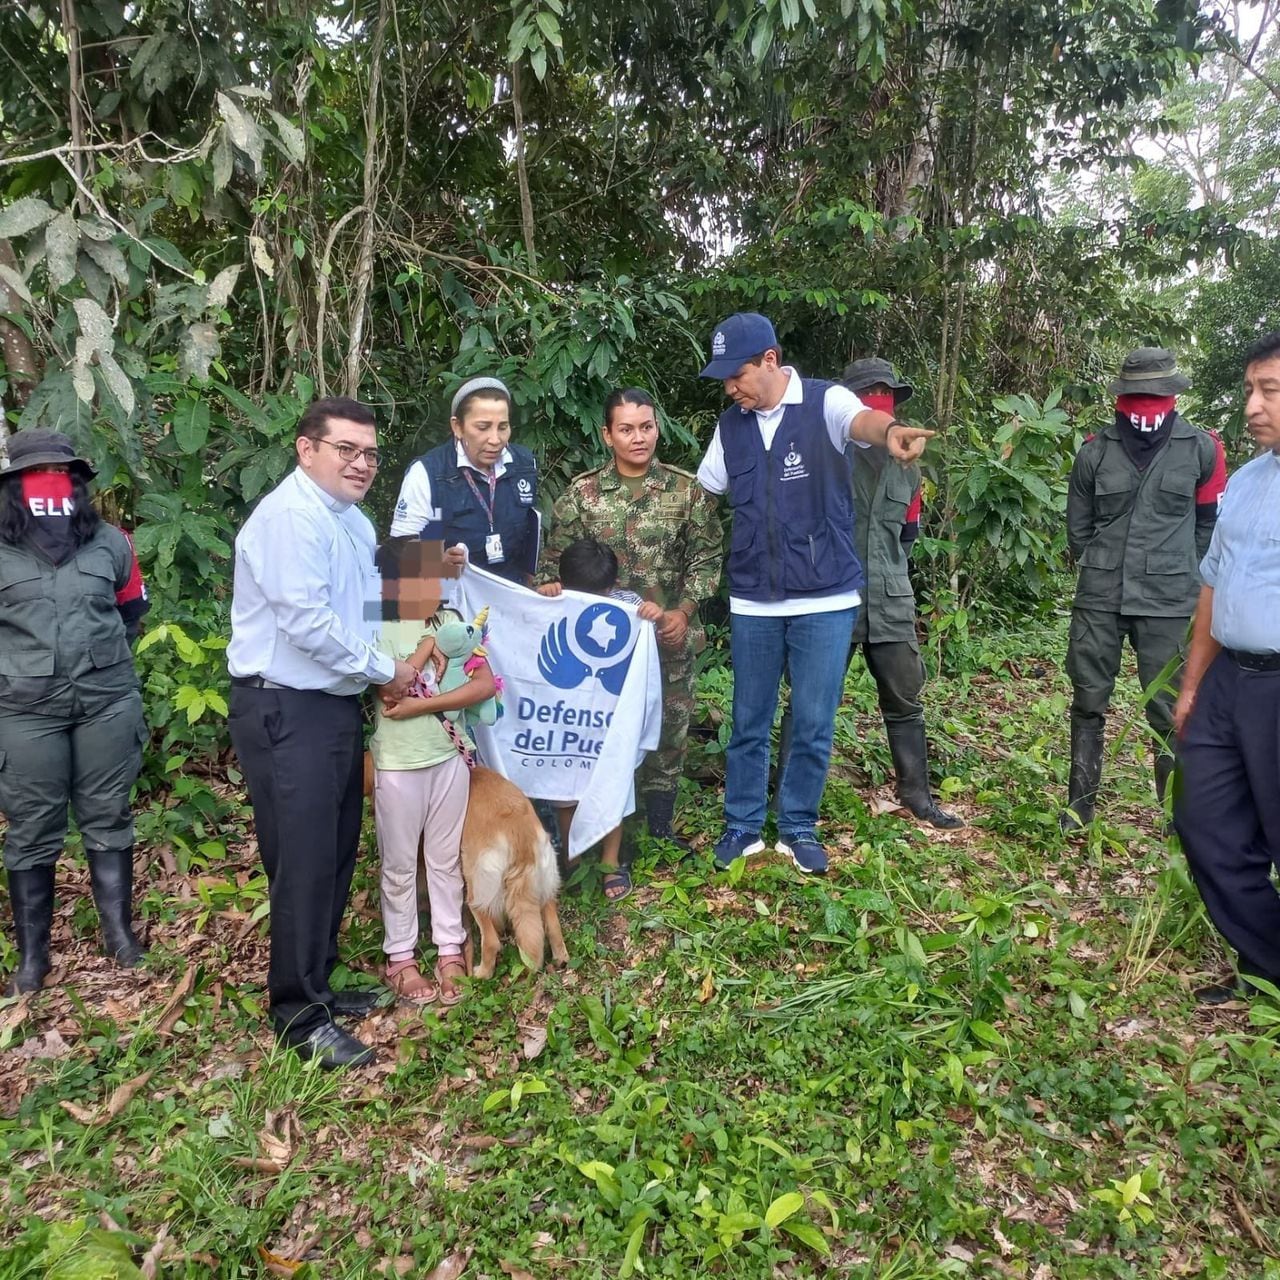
{"x":662,"y":768}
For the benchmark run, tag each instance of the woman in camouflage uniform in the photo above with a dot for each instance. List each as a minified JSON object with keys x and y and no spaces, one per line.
{"x":666,"y":534}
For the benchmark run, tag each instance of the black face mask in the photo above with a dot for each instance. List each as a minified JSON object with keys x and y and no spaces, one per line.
{"x":1143,"y":444}
{"x":49,"y":497}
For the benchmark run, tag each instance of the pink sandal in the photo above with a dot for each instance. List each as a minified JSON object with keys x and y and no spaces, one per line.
{"x":407,"y":981}
{"x":448,"y":970}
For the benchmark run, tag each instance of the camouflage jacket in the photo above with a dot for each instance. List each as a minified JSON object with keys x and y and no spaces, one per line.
{"x":668,"y":539}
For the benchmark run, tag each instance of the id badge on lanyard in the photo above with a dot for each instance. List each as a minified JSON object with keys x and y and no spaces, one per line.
{"x":493,"y":552}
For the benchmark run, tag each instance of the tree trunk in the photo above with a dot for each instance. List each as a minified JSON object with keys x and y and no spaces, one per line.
{"x":372,"y":176}
{"x":522,"y":172}
{"x":20,"y":357}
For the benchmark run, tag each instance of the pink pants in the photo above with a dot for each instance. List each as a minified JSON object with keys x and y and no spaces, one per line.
{"x":432,"y":804}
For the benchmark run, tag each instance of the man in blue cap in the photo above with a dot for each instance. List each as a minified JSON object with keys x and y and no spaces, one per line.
{"x":781,"y":457}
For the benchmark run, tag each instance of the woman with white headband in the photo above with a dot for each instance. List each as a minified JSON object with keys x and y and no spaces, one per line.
{"x":480,"y":488}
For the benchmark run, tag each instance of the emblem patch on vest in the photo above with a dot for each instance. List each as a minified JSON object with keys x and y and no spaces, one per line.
{"x":525,"y":490}
{"x":793,"y":467}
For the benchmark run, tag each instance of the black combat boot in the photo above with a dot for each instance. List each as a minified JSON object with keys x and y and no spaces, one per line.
{"x":659,"y":811}
{"x":1088,"y":737}
{"x":910,"y":751}
{"x":111,"y":874}
{"x":31,"y":893}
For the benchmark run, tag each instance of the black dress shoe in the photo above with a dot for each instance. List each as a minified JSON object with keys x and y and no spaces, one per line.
{"x":1222,"y":992}
{"x":331,"y":1047}
{"x":355,"y":1004}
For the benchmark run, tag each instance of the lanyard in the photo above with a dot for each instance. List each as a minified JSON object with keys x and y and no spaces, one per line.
{"x":493,"y":486}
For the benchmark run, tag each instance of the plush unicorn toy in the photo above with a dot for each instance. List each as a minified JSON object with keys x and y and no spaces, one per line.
{"x":463,"y":644}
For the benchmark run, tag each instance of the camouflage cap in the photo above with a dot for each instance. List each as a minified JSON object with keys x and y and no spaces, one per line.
{"x":1149,"y":371}
{"x":862,"y":374}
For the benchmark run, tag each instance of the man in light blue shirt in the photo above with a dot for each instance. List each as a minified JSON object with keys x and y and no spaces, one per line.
{"x":1227,"y":812}
{"x":299,"y":659}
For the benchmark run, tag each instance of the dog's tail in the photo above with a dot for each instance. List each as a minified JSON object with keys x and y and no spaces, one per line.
{"x":534,"y":880}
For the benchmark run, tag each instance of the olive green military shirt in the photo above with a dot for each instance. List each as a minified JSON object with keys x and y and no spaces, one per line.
{"x":882,"y":493}
{"x":1135,"y":534}
{"x":63,"y":649}
{"x":668,"y":538}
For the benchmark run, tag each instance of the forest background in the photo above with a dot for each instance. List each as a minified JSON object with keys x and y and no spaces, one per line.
{"x":211,"y":212}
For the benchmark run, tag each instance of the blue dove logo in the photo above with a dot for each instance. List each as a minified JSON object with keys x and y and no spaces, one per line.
{"x":599,"y":645}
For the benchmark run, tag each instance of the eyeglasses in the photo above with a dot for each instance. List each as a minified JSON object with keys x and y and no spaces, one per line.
{"x":350,"y":452}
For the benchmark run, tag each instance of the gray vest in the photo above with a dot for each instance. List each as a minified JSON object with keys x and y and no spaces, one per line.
{"x":1135,"y":531}
{"x":882,"y":493}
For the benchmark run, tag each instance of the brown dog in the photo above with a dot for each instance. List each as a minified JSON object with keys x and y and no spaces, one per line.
{"x":509,"y":866}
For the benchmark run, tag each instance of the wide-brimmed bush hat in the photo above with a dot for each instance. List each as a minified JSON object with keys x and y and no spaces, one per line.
{"x":30,"y":449}
{"x":865,"y":373}
{"x":1149,"y":371}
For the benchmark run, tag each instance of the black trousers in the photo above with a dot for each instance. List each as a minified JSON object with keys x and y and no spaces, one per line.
{"x":302,"y":755}
{"x":1227,"y":810}
{"x":896,"y":668}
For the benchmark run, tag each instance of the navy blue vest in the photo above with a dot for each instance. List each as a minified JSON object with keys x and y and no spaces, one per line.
{"x":792,"y":505}
{"x":466,"y":518}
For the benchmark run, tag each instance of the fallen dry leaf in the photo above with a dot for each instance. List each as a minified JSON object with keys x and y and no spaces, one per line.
{"x":398,"y":1266}
{"x":274,"y":1149}
{"x":16,"y":1015}
{"x":49,"y":1045}
{"x":1006,"y":1245}
{"x":176,"y":1003}
{"x":116,"y":1103}
{"x":120,"y":1097}
{"x":708,"y":988}
{"x":535,"y":1040}
{"x":118,"y":1011}
{"x":277,"y":1265}
{"x":516,"y":1273}
{"x":451,"y":1267}
{"x":257,"y":1164}
{"x":881,"y":805}
{"x":151,"y":1259}
{"x":82,"y":1114}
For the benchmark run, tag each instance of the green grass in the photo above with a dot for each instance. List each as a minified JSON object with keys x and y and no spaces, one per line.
{"x":956,"y":1056}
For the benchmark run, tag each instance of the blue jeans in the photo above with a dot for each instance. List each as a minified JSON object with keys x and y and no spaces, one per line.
{"x":814,"y":650}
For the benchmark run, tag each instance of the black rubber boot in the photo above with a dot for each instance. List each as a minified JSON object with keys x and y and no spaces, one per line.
{"x":659,"y":812}
{"x":910,"y":751}
{"x":1087,"y":741}
{"x":31,"y":893}
{"x":111,"y":874}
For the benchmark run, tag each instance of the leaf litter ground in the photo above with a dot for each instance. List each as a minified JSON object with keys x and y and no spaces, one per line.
{"x":960,"y":1054}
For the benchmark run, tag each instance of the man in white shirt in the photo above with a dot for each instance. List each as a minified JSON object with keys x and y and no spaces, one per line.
{"x":1227,"y":806}
{"x":299,"y":659}
{"x":781,"y":457}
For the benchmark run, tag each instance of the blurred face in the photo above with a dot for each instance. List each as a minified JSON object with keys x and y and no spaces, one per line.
{"x":632,"y":435}
{"x":339,"y":461}
{"x":418,"y":591}
{"x":1262,"y":402}
{"x":759,"y":385}
{"x":483,"y":429}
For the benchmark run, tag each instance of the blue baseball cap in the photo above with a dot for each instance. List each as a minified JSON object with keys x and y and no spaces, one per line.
{"x":738,"y":339}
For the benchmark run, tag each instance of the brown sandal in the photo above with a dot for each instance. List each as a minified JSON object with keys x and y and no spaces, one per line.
{"x":408,"y":983}
{"x":448,"y":970}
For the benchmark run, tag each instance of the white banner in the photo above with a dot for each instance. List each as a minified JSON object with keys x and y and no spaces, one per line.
{"x":582,"y":702}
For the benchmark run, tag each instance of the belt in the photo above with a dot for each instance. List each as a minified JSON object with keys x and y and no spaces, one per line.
{"x":256,"y":682}
{"x":1254,"y":661}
